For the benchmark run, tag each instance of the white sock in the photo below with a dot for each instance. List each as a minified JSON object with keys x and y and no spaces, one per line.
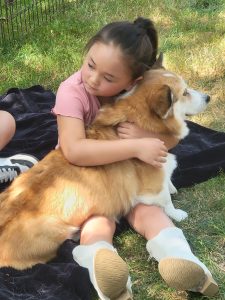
{"x":84,"y":256}
{"x":171,"y":242}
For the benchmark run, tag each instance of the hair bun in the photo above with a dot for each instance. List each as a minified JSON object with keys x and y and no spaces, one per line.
{"x":145,"y":24}
{"x":147,"y":27}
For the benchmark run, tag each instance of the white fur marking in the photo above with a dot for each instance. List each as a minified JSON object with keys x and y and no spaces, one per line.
{"x":127,"y":93}
{"x":163,"y":199}
{"x":168,"y":75}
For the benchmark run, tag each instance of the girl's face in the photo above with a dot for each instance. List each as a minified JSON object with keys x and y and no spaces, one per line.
{"x":104,"y":71}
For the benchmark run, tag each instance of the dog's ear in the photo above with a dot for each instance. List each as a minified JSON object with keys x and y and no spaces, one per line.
{"x":163,"y":100}
{"x":159,"y":62}
{"x":109,"y":116}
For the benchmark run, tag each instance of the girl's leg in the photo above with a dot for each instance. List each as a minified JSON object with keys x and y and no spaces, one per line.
{"x":7,"y":128}
{"x":97,"y":229}
{"x":178,"y":266}
{"x":107,"y":270}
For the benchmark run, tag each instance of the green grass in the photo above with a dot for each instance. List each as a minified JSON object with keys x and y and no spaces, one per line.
{"x":192,"y":39}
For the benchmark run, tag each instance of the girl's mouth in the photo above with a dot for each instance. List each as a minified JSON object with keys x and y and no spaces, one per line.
{"x":89,"y":87}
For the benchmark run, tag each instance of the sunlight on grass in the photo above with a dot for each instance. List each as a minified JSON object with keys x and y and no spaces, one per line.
{"x":210,"y":54}
{"x":31,"y":56}
{"x":191,"y":36}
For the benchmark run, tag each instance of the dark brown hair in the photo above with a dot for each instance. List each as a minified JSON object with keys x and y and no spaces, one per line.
{"x":138,"y":42}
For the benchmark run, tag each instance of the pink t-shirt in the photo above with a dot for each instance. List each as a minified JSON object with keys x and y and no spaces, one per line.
{"x":72,"y":100}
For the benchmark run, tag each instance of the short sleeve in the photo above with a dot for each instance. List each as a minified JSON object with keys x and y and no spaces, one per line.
{"x":70,"y":101}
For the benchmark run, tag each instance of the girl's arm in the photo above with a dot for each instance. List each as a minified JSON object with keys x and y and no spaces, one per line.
{"x":127,"y":130}
{"x":88,"y":152}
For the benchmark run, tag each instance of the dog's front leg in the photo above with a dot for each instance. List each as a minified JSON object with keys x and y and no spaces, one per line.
{"x":162,"y":199}
{"x":172,"y":188}
{"x":175,"y":213}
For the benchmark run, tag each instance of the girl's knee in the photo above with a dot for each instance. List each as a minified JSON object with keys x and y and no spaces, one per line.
{"x":8,"y":127}
{"x":148,"y":220}
{"x":97,"y":228}
{"x":142,"y":211}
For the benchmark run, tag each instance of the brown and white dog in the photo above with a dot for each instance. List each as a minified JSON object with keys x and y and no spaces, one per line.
{"x":47,"y":204}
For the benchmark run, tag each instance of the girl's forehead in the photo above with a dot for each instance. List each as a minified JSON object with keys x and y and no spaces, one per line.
{"x":100,"y":46}
{"x":109,"y":59}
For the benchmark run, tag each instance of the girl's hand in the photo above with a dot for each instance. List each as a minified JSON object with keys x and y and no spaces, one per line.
{"x":152,"y":151}
{"x":127,"y":130}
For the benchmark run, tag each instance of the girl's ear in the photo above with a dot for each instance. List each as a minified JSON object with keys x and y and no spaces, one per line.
{"x":133,"y":83}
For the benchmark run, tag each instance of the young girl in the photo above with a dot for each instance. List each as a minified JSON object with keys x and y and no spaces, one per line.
{"x":10,"y":167}
{"x":116,"y":59}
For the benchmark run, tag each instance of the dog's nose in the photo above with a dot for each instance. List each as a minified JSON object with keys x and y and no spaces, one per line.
{"x":207,"y":98}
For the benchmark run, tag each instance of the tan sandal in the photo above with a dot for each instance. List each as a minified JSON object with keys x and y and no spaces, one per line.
{"x":209,"y":287}
{"x":125,"y":296}
{"x":111,"y":274}
{"x":183,"y":274}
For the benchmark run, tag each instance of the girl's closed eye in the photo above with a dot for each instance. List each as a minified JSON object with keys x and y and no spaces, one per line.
{"x":90,"y":66}
{"x":108,"y":79}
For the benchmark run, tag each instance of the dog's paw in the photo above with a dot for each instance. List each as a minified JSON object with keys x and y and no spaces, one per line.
{"x":172,"y":190}
{"x":179,"y":215}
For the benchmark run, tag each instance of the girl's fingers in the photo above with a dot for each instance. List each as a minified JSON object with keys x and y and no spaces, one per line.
{"x":123,"y":135}
{"x":157,"y":164}
{"x":163,"y":153}
{"x":161,"y":160}
{"x":121,"y":130}
{"x":125,"y":124}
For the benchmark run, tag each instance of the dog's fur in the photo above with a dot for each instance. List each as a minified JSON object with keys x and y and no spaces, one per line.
{"x":45,"y":205}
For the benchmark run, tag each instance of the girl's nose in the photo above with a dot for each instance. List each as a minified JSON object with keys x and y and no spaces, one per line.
{"x":94,"y":79}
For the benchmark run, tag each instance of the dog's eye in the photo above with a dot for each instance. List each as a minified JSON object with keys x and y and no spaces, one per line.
{"x":185,"y":92}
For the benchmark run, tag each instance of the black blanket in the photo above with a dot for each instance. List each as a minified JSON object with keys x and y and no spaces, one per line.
{"x":200,"y":156}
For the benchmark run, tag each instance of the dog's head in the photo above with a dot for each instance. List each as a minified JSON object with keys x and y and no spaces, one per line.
{"x":159,"y":103}
{"x":168,"y":95}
